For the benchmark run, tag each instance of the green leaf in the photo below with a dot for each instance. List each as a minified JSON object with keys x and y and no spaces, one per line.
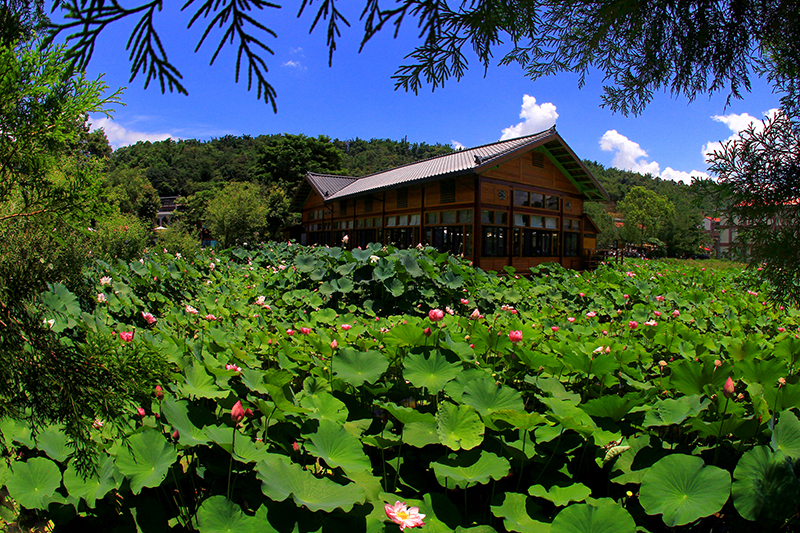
{"x":34,"y":482}
{"x":356,"y":367}
{"x":281,"y":479}
{"x":420,"y":434}
{"x":177,"y":413}
{"x":469,"y":468}
{"x":487,"y":397}
{"x":682,"y":489}
{"x":337,"y":447}
{"x":561,"y":496}
{"x":324,"y":406}
{"x":765,"y":486}
{"x":786,"y":435}
{"x":431,"y":372}
{"x":306,"y":263}
{"x":218,"y":514}
{"x":459,"y":426}
{"x":601,"y":516}
{"x":514,"y":511}
{"x":411,"y":265}
{"x":198,"y":383}
{"x":95,"y":486}
{"x":53,"y":442}
{"x":147,"y":460}
{"x":669,"y":411}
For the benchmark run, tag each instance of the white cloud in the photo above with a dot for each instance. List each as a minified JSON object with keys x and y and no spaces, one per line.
{"x":535,"y":118}
{"x":119,"y":136}
{"x":294,"y":64}
{"x":736,"y":123}
{"x":457,"y":145}
{"x":631,"y":156}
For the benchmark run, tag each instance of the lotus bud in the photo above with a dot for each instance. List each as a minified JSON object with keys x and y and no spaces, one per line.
{"x":237,"y":412}
{"x":159,"y":393}
{"x":729,"y":388}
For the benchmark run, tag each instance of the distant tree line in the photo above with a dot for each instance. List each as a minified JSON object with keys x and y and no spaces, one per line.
{"x":663,"y":213}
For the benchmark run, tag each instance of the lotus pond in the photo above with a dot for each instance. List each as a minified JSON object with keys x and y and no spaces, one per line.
{"x":309,"y":387}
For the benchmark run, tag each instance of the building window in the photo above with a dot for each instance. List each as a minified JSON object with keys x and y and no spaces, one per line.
{"x":522,"y":198}
{"x":571,"y":244}
{"x":493,"y":240}
{"x":447,"y":191}
{"x":553,"y":203}
{"x":535,"y":243}
{"x":537,"y":200}
{"x":501,"y":194}
{"x":402,"y":197}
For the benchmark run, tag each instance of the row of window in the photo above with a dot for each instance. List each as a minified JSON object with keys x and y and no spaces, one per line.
{"x":458,"y":240}
{"x":537,"y":200}
{"x":446,"y":218}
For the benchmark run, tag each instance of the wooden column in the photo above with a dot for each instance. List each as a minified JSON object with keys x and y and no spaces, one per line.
{"x":477,"y":241}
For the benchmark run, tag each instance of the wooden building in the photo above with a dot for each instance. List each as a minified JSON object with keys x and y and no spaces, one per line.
{"x":517,"y":202}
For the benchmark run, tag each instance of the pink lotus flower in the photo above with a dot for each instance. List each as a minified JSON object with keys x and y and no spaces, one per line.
{"x":427,"y":332}
{"x":781,"y":330}
{"x":148,"y":317}
{"x":235,"y":368}
{"x":554,"y":328}
{"x":633,"y":324}
{"x":290,"y":332}
{"x":159,"y":393}
{"x":476,"y":315}
{"x":657,"y":313}
{"x":140,"y":411}
{"x":464,"y":301}
{"x":676,"y":314}
{"x":659,"y":298}
{"x":403,"y":516}
{"x":248,"y":413}
{"x":346,"y":327}
{"x":345,"y":239}
{"x":191,"y":310}
{"x":210,"y":317}
{"x":334,"y":344}
{"x":295,"y":446}
{"x":515,"y":336}
{"x":127,"y":336}
{"x":571,"y":319}
{"x":651,"y":323}
{"x":581,"y":294}
{"x":591,"y":314}
{"x":729,"y":388}
{"x":626,"y":296}
{"x":436,"y":315}
{"x":101,"y":298}
{"x":305,"y":331}
{"x":237,"y":412}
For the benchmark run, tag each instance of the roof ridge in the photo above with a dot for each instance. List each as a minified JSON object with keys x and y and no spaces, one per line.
{"x":465,"y":150}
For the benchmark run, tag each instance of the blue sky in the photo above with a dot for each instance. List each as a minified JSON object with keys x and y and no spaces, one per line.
{"x":356,"y":98}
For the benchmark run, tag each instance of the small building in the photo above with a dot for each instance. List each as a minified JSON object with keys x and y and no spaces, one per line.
{"x":517,"y":202}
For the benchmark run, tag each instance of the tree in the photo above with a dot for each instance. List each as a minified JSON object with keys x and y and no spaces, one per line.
{"x":49,"y":188}
{"x":645,"y":214}
{"x":688,"y":48}
{"x":759,"y":187}
{"x":238,"y":214}
{"x":133,"y":193}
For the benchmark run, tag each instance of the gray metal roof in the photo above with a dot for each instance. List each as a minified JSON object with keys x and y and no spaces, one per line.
{"x":468,"y":161}
{"x":328,"y":185}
